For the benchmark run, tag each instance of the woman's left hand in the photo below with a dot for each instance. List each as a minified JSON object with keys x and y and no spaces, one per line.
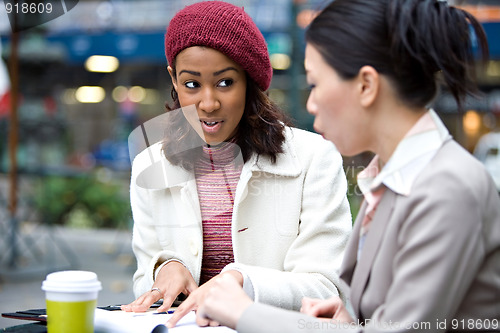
{"x":197,"y":298}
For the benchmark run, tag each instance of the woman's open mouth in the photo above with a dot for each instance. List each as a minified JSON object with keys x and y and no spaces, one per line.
{"x":211,"y":126}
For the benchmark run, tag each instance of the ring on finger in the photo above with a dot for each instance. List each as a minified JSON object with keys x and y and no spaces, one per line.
{"x":156,"y":289}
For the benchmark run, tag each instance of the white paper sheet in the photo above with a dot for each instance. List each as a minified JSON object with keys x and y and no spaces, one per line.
{"x":129,"y":322}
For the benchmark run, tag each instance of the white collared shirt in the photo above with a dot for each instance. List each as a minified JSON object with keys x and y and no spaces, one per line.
{"x":411,"y":156}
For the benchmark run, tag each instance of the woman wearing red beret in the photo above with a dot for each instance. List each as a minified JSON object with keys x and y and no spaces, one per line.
{"x":257,"y":199}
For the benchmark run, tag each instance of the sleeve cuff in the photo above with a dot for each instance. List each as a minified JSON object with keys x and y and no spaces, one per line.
{"x":247,"y":283}
{"x":157,"y":270}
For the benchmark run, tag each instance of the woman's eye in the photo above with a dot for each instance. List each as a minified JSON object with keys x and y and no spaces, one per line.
{"x":225,"y":83}
{"x":191,"y":84}
{"x":312,"y":86}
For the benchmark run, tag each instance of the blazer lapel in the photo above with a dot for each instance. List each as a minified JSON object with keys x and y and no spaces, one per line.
{"x":370,"y":248}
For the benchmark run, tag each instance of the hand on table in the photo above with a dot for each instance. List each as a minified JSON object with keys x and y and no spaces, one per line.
{"x":331,"y":308}
{"x":225,"y":303}
{"x":172,"y":280}
{"x":213,"y":297}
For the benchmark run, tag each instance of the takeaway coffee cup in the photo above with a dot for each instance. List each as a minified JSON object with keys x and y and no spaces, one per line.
{"x":71,"y":299}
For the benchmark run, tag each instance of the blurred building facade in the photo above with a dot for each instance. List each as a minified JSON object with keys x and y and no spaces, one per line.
{"x":70,"y":114}
{"x":77,"y":107}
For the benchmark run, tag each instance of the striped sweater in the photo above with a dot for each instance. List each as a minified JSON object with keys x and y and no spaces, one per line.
{"x":216,"y":179}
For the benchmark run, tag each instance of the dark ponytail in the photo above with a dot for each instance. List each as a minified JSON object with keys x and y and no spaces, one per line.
{"x":413,"y":42}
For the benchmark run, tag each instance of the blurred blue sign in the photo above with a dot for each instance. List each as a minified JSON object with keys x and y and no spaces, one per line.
{"x":492,"y":30}
{"x":127,"y":47}
{"x":134,"y":47}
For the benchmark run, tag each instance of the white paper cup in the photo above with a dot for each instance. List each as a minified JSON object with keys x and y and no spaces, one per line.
{"x":71,"y":299}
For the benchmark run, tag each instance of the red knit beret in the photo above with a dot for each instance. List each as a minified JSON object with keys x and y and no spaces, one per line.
{"x":226,"y":28}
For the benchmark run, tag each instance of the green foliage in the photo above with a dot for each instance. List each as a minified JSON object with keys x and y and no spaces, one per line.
{"x":354,"y":203}
{"x":83,"y":201}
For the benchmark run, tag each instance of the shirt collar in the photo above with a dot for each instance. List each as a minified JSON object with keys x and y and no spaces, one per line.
{"x":411,"y":156}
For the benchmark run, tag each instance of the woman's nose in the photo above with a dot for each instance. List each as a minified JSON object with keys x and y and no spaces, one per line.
{"x":311,"y":105}
{"x":209,"y":101}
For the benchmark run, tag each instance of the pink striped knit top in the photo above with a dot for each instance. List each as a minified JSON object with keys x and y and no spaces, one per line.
{"x":216,"y":180}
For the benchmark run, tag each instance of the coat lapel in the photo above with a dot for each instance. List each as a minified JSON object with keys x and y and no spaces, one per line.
{"x":372,"y":243}
{"x":287,"y":165}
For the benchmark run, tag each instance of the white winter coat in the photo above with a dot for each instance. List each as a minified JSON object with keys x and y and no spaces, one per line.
{"x":291,"y":220}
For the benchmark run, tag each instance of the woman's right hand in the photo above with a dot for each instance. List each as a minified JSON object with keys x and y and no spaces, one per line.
{"x":172,"y":279}
{"x":225,"y":302}
{"x":331,"y":308}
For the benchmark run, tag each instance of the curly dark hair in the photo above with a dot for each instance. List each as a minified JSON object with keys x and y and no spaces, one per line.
{"x":260,"y":131}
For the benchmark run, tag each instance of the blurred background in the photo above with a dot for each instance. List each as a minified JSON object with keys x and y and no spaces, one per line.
{"x":72,"y":90}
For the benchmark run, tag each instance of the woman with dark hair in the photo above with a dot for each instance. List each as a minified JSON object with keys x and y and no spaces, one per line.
{"x":245,"y":194}
{"x":425,"y":250}
{"x":260,"y":130}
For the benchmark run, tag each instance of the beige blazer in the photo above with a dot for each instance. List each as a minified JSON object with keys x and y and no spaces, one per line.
{"x":431,"y":260}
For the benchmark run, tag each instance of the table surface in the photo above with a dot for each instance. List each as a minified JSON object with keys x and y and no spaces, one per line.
{"x":26,"y":328}
{"x":41,"y":327}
